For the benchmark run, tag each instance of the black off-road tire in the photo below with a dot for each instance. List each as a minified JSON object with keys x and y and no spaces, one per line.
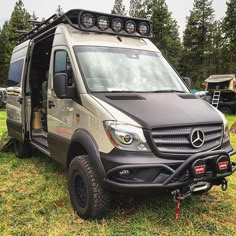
{"x":88,"y":198}
{"x":22,"y":150}
{"x":226,"y":110}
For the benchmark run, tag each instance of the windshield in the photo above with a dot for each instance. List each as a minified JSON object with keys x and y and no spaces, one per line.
{"x":127,"y":70}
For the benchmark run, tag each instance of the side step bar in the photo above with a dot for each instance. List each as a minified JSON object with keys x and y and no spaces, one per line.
{"x":40,"y":148}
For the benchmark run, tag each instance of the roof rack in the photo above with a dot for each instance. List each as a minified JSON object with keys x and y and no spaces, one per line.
{"x":44,"y":26}
{"x":76,"y":17}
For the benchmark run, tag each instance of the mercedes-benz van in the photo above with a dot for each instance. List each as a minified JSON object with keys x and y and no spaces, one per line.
{"x":91,"y":91}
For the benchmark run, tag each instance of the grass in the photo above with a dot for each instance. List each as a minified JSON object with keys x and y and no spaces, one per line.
{"x":34,"y":201}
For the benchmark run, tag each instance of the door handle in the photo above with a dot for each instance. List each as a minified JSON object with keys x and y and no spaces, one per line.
{"x":20,"y":100}
{"x":51,"y":104}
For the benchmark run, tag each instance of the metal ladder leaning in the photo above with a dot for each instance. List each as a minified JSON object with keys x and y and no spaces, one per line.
{"x":216,"y":99}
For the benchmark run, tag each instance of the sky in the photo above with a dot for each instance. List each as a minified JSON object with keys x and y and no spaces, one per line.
{"x":179,"y":8}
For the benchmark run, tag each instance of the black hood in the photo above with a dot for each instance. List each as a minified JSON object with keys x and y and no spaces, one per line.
{"x":162,"y":109}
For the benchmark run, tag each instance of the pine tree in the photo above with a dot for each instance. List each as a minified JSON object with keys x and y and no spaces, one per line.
{"x":134,"y":8}
{"x":5,"y":52}
{"x":34,"y":20}
{"x":140,"y":8}
{"x":34,"y":17}
{"x":165,"y":32}
{"x":165,"y":28}
{"x":19,"y":21}
{"x":118,"y":8}
{"x":229,"y":29}
{"x":59,"y":10}
{"x":198,"y":41}
{"x":218,"y":64}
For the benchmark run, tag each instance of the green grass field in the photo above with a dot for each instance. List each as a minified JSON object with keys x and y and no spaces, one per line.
{"x":34,"y":201}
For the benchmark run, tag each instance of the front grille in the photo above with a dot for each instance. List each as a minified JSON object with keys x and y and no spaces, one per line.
{"x":176,"y":140}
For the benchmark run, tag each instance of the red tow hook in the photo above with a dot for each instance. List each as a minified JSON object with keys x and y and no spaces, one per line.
{"x":178,"y":196}
{"x":177,"y":210}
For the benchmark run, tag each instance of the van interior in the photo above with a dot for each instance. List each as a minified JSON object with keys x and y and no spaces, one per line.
{"x":38,"y":81}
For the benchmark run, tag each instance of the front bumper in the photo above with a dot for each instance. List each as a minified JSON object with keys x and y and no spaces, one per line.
{"x":152,"y":173}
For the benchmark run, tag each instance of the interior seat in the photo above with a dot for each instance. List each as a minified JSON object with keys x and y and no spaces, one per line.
{"x":44,"y":92}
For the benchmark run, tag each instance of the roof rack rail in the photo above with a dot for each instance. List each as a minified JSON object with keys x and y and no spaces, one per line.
{"x":44,"y":26}
{"x":95,"y":22}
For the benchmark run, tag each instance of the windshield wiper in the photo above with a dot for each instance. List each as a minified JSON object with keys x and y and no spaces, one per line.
{"x":169,"y":91}
{"x":121,"y":91}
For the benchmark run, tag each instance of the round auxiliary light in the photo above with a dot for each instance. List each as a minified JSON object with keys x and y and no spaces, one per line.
{"x":103,"y":23}
{"x":88,"y":21}
{"x":130,"y":27}
{"x":143,"y":28}
{"x":116,"y":25}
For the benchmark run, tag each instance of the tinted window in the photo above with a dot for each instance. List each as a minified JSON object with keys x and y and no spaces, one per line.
{"x":15,"y":73}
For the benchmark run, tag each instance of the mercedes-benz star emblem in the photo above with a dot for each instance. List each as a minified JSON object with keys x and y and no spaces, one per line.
{"x":197,"y":138}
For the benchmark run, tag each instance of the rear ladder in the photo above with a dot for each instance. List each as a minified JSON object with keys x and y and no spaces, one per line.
{"x":216,"y":99}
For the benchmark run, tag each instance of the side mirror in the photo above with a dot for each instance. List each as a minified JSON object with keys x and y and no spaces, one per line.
{"x":187,"y":81}
{"x":61,"y":88}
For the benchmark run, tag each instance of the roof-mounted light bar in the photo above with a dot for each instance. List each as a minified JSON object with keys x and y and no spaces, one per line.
{"x":110,"y":24}
{"x":114,"y":24}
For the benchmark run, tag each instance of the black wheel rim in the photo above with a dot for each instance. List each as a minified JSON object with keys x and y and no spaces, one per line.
{"x":81,"y":191}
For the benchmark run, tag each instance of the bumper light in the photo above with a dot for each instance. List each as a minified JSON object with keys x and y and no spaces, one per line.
{"x":223,"y":164}
{"x":199,"y":168}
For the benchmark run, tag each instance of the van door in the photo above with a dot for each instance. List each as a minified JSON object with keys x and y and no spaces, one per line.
{"x":15,"y":98}
{"x":60,"y":111}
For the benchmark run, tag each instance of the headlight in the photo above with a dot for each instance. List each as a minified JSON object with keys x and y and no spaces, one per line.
{"x":126,"y":137}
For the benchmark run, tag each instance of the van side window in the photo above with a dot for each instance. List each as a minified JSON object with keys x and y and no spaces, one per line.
{"x":62,"y":65}
{"x":15,"y":73}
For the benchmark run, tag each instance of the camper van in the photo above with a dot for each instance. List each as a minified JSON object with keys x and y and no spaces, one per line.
{"x":91,"y":91}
